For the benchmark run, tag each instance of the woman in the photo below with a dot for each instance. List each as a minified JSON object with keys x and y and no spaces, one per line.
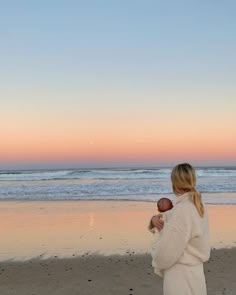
{"x":184,"y":243}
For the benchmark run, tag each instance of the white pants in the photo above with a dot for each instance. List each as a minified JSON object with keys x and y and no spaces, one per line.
{"x":183,"y":279}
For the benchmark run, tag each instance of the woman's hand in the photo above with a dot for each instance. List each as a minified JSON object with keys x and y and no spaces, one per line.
{"x":157,"y":222}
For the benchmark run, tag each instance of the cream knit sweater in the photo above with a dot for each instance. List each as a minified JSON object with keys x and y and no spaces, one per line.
{"x":185,"y":237}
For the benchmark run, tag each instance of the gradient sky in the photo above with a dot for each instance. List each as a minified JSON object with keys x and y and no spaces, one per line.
{"x":117,"y":83}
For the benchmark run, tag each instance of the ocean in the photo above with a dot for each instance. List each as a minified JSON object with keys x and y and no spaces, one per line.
{"x":217,"y":185}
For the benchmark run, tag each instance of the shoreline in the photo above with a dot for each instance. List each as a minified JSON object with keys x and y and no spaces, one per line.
{"x":96,"y":200}
{"x":211,"y":198}
{"x":97,"y":274}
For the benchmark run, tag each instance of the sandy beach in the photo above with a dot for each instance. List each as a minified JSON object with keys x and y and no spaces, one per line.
{"x":97,"y":247}
{"x":91,"y":274}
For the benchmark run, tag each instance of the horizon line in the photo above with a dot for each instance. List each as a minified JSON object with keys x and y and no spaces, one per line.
{"x":114,"y":167}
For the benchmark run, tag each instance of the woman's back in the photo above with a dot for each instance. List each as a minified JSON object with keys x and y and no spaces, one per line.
{"x":184,"y":243}
{"x":185,"y":238}
{"x":198,"y":246}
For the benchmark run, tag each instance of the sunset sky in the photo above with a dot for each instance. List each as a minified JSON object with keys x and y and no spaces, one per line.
{"x":117,"y":83}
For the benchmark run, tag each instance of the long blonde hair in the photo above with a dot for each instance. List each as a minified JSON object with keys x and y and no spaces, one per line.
{"x":183,"y":179}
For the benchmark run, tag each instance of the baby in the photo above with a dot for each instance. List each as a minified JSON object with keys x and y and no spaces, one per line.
{"x":163,"y":205}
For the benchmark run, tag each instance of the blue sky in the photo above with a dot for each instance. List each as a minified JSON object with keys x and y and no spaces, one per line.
{"x":122,"y":42}
{"x":87,"y":57}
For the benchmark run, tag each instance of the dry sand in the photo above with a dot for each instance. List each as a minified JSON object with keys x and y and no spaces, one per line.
{"x":103,"y":275}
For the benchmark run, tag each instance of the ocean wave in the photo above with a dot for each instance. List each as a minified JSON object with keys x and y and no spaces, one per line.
{"x":108,"y":174}
{"x":11,"y":172}
{"x":78,"y":184}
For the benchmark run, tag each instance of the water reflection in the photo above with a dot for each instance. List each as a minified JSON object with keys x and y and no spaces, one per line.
{"x":69,"y":228}
{"x":91,"y":221}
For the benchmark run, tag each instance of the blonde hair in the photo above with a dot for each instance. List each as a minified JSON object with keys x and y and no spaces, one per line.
{"x":183,"y":179}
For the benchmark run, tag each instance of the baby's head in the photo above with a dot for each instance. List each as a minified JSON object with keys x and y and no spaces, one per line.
{"x":164,"y":204}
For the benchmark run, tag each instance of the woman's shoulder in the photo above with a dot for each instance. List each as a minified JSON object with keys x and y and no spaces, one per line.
{"x":187,"y":203}
{"x":189,"y":210}
{"x":184,"y":210}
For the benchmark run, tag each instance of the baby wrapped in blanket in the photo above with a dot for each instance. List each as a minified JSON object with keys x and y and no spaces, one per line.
{"x":164,"y":205}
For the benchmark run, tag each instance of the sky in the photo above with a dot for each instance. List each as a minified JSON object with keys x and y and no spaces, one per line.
{"x":117,"y":83}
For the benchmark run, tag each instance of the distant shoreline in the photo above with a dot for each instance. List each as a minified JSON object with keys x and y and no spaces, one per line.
{"x":111,"y":168}
{"x":96,"y":200}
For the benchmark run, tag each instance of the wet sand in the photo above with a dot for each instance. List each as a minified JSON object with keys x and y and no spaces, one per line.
{"x":96,"y":274}
{"x":64,"y":228}
{"x":97,"y":247}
